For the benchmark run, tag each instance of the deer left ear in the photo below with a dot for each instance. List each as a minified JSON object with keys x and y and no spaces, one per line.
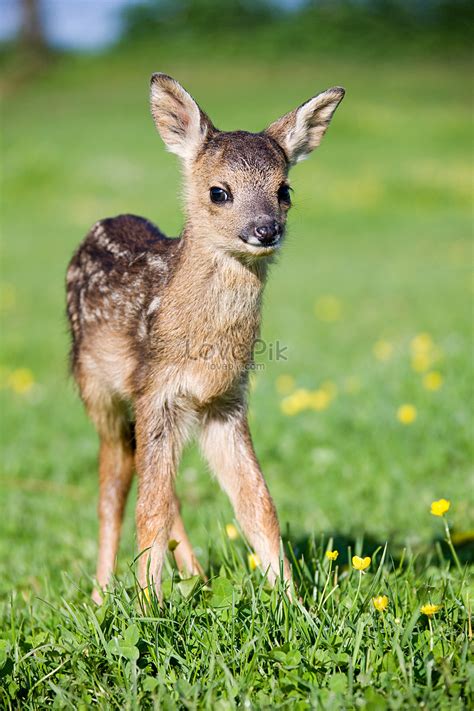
{"x":301,"y":131}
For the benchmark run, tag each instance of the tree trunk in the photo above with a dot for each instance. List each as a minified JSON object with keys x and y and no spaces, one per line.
{"x":32,"y":35}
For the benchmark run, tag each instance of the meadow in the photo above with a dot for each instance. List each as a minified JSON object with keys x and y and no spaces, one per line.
{"x":359,"y":426}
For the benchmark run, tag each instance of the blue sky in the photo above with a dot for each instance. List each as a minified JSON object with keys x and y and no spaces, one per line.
{"x":77,"y":24}
{"x":72,"y":24}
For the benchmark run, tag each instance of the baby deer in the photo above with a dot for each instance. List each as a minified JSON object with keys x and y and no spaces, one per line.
{"x":163,"y":329}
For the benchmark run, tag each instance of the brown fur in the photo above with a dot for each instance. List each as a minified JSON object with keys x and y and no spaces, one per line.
{"x":163,"y":329}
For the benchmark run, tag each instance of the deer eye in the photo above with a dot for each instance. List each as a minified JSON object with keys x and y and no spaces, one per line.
{"x":284,"y":193}
{"x":219,"y":194}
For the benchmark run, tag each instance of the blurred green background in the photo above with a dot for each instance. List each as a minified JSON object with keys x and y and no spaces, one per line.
{"x":372,"y":296}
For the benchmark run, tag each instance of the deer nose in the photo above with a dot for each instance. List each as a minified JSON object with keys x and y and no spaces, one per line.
{"x":266,"y":229}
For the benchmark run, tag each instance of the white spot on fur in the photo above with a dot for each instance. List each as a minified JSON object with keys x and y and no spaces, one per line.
{"x":156,"y":262}
{"x":154,"y":305}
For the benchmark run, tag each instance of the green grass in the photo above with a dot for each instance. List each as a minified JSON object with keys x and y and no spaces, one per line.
{"x":381,"y":223}
{"x":233,"y":643}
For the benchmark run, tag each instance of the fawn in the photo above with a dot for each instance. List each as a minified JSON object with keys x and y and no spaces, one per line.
{"x":163,"y":329}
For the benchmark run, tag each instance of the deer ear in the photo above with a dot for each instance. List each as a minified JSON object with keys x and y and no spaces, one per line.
{"x":179,"y":120}
{"x":301,"y":131}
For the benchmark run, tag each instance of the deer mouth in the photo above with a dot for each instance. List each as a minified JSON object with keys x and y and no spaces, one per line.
{"x":262,"y":245}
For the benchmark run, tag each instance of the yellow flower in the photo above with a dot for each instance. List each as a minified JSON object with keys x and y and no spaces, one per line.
{"x":319,"y":400}
{"x":21,"y":380}
{"x":421,"y":362}
{"x":303,"y":399}
{"x":432,"y":380}
{"x":288,"y":407}
{"x":406,"y":414}
{"x":231,"y":531}
{"x":429,"y":609}
{"x":328,"y":308}
{"x":423,"y":352}
{"x":172,"y":545}
{"x":439,"y":508}
{"x":285,"y":384}
{"x":332,"y":555}
{"x":296,"y":402}
{"x":361,"y":563}
{"x":254,"y":561}
{"x":422,"y":343}
{"x":380,"y":602}
{"x":383,"y":350}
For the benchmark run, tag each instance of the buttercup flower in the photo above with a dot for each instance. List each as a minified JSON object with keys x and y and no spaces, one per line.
{"x":332,"y":555}
{"x":382,"y":350}
{"x":285,"y":384}
{"x":440,"y":507}
{"x":319,"y":400}
{"x":303,"y":399}
{"x":296,"y":402}
{"x":289,"y":407}
{"x":422,"y":343}
{"x":423,"y":352}
{"x":254,"y":561}
{"x":21,"y":380}
{"x":406,"y":414}
{"x":361,"y":563}
{"x":380,"y":602}
{"x":432,"y":380}
{"x":429,"y":609}
{"x":231,"y":531}
{"x":328,"y":308}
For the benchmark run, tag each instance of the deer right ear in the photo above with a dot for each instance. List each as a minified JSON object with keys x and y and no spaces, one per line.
{"x":179,"y":120}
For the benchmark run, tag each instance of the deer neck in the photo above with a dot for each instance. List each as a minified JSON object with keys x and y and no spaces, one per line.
{"x":213,"y":294}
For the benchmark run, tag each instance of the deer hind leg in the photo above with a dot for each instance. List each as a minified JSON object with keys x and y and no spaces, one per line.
{"x":116,"y":466}
{"x":116,"y":472}
{"x":184,"y":555}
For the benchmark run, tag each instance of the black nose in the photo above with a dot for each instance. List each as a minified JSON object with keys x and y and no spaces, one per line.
{"x":266,"y":230}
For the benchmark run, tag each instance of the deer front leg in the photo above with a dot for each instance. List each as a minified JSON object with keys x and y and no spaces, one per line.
{"x":159,"y":445}
{"x":227,"y":445}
